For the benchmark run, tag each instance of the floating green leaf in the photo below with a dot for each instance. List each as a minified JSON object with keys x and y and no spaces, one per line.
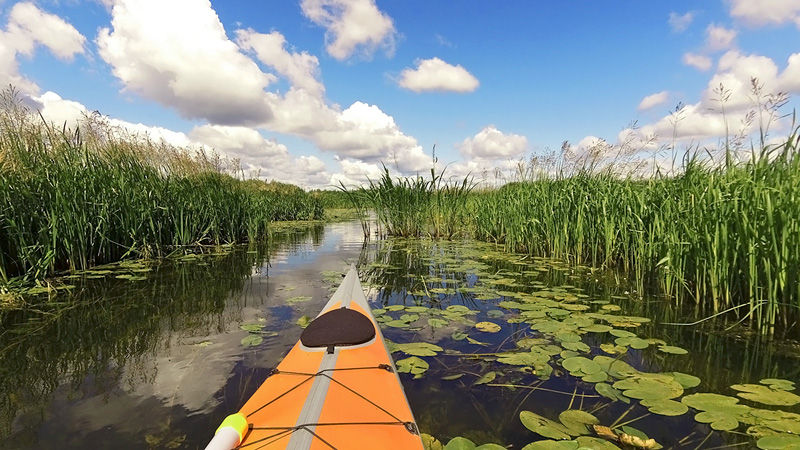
{"x":719,"y":420}
{"x":413,"y":365}
{"x":458,"y":335}
{"x":686,"y":380}
{"x":543,"y":426}
{"x":594,"y":443}
{"x":650,"y":386}
{"x":763,"y":394}
{"x":486,"y":378}
{"x":552,"y":445}
{"x":453,"y":377}
{"x":417,"y":348}
{"x":252,"y":327}
{"x":476,"y":342}
{"x":490,"y":447}
{"x":437,"y":323}
{"x":252,"y":340}
{"x":606,"y":390}
{"x":778,"y":384}
{"x":297,"y":299}
{"x":672,"y":349}
{"x":779,"y":442}
{"x":597,"y":328}
{"x":577,"y":421}
{"x":581,"y":365}
{"x":595,"y":377}
{"x":576,"y":346}
{"x":430,"y":443}
{"x":417,"y":309}
{"x":622,"y":333}
{"x":304,"y":321}
{"x":488,"y":327}
{"x":665,"y":407}
{"x":460,"y":443}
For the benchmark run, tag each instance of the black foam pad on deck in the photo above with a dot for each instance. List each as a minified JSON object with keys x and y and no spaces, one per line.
{"x":338,"y":327}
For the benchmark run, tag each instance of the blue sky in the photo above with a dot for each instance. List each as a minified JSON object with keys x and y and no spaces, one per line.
{"x":318,"y":92}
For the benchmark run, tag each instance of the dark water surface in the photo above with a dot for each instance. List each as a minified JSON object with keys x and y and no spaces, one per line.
{"x":158,"y":362}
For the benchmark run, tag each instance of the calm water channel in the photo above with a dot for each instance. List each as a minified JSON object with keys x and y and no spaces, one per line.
{"x":156,"y":356}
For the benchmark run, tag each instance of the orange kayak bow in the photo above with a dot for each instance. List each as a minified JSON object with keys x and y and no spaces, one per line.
{"x":336,"y":389}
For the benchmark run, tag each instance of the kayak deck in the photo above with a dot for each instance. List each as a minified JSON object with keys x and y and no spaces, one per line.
{"x":336,"y":389}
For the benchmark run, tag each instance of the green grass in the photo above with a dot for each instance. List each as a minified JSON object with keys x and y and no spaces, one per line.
{"x":71,"y":199}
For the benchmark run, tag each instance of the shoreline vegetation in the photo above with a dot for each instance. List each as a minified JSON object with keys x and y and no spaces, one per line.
{"x":719,"y":229}
{"x":71,"y":199}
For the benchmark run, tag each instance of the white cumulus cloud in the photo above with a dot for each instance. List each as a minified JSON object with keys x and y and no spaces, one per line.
{"x":699,"y":62}
{"x":27,"y":27}
{"x":176,"y":53}
{"x":653,"y":100}
{"x":436,"y":75}
{"x":491,"y":143}
{"x":351,"y":26}
{"x":766,"y":12}
{"x":680,"y":22}
{"x":719,"y":38}
{"x":301,"y":69}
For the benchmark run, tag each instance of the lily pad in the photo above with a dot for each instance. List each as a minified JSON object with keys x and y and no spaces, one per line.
{"x":650,"y":386}
{"x":417,"y":309}
{"x":437,"y":323}
{"x":608,"y":391}
{"x":720,"y":421}
{"x":578,"y":421}
{"x":582,"y":365}
{"x":251,"y":340}
{"x":673,"y":350}
{"x":252,"y":327}
{"x":543,"y":426}
{"x":576,"y":346}
{"x":686,"y":380}
{"x":460,"y":443}
{"x":665,"y":407}
{"x":763,"y":394}
{"x":552,"y":445}
{"x":488,"y":327}
{"x":298,"y":299}
{"x":596,"y":443}
{"x":597,"y":328}
{"x":778,"y":384}
{"x":304,"y":321}
{"x":779,"y":442}
{"x":418,"y":348}
{"x":486,"y":378}
{"x":458,"y":335}
{"x":430,"y":443}
{"x":413,"y":365}
{"x":622,"y":333}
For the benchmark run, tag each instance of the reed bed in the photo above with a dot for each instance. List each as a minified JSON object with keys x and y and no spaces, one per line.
{"x":71,"y":199}
{"x":726,"y":236}
{"x":414,"y":206}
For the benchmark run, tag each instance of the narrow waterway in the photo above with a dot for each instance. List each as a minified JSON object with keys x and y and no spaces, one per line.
{"x":156,"y":356}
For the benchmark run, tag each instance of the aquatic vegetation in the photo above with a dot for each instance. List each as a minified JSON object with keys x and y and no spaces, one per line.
{"x":74,"y":199}
{"x":723,"y":236}
{"x":562,"y":338}
{"x":414,"y":206}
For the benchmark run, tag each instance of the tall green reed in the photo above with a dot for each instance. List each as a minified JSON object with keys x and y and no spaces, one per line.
{"x":722,"y":235}
{"x":71,"y":199}
{"x":413,"y":206}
